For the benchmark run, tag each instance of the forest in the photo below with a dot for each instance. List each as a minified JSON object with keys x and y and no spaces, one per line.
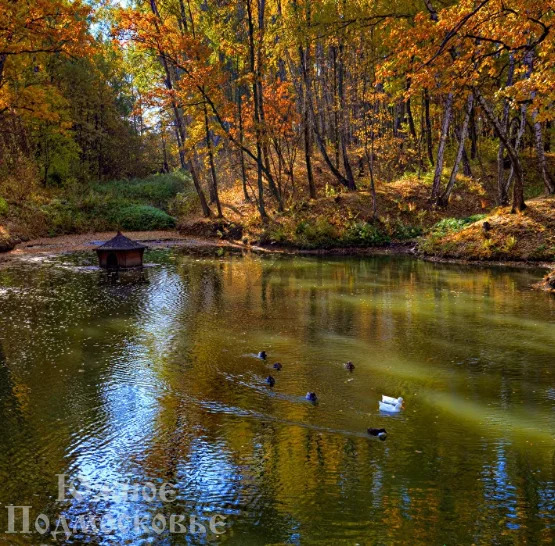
{"x":314,"y":123}
{"x":287,"y":266}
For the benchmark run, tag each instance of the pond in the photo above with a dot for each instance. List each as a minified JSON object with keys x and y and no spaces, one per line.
{"x":151,"y":378}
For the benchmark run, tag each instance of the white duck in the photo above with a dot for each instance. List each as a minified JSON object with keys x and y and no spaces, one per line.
{"x":391,"y":405}
{"x":391,"y":408}
{"x":391,"y":400}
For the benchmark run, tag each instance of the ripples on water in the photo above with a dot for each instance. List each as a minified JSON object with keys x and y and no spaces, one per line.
{"x":150,"y":377}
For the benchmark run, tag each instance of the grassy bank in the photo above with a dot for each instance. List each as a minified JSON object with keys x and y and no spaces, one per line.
{"x":338,"y":219}
{"x":547,"y":283}
{"x":345,"y":220}
{"x":341,"y":219}
{"x":139,"y":204}
{"x":528,"y":236}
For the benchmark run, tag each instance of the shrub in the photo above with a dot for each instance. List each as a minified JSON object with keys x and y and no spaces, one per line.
{"x":318,"y":234}
{"x":404,"y":232}
{"x":276,"y":233}
{"x":63,"y":217}
{"x":510,"y":243}
{"x":365,"y":234}
{"x":4,"y":207}
{"x":452,"y":225}
{"x":141,"y":218}
{"x":156,"y":190}
{"x":184,"y":204}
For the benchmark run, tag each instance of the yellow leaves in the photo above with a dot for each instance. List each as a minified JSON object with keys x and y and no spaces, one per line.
{"x":30,"y":32}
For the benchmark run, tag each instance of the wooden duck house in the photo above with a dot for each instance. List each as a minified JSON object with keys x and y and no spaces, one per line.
{"x":120,"y":253}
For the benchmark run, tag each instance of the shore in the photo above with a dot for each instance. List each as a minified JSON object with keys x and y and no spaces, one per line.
{"x":88,"y":241}
{"x":165,"y":239}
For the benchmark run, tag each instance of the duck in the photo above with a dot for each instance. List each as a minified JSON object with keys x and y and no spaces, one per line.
{"x":277,"y":366}
{"x":391,"y":408}
{"x":381,"y":433}
{"x":349,"y":366}
{"x":391,"y":400}
{"x":262,"y":355}
{"x":271,"y":381}
{"x":311,"y":396}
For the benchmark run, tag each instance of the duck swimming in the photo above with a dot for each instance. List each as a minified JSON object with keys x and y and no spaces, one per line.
{"x":391,"y":400}
{"x":271,"y":381}
{"x":277,"y":366}
{"x":381,"y":433}
{"x":262,"y":355}
{"x":349,"y":366}
{"x":311,"y":396}
{"x":391,"y":408}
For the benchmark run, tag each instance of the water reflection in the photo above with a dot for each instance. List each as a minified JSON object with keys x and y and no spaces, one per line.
{"x":148,"y":379}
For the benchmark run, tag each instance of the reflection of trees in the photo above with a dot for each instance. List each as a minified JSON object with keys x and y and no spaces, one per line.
{"x":232,"y":446}
{"x":8,"y":400}
{"x":289,"y":468}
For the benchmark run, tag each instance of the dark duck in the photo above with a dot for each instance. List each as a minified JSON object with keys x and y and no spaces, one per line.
{"x":349,"y":366}
{"x":381,"y":433}
{"x":271,"y":381}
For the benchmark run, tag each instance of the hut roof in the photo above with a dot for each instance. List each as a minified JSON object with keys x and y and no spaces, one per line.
{"x":120,"y":242}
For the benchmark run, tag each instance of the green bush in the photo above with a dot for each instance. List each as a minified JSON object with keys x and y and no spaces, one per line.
{"x":452,"y":225}
{"x":155,"y":190}
{"x":98,"y":214}
{"x":365,"y":234}
{"x":184,"y":204}
{"x":141,"y":218}
{"x":276,"y":233}
{"x":404,"y":232}
{"x":63,"y":217}
{"x":4,"y":207}
{"x":315,"y":234}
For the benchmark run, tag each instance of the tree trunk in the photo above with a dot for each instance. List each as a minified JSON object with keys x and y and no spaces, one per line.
{"x":502,"y":197}
{"x":542,"y":163}
{"x":473,"y":137}
{"x":336,"y":123}
{"x":518,"y":188}
{"x":519,"y":135}
{"x":428,"y":127}
{"x":256,"y":116}
{"x":346,"y":163}
{"x":3,"y":58}
{"x":444,"y":199}
{"x":304,"y":55}
{"x":214,"y":197}
{"x":441,"y":148}
{"x":241,"y":153}
{"x":466,"y":164}
{"x":412,"y":127}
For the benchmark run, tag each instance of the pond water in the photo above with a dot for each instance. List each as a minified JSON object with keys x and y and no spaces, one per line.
{"x":150,"y":378}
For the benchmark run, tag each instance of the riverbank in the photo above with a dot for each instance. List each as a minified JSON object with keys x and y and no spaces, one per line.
{"x":165,"y":239}
{"x":88,"y":241}
{"x":526,"y":236}
{"x":343,"y":222}
{"x":318,"y":228}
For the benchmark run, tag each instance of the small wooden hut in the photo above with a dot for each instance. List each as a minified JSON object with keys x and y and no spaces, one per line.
{"x":120,"y":253}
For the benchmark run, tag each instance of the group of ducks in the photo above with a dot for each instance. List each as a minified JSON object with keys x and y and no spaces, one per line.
{"x":387,"y":404}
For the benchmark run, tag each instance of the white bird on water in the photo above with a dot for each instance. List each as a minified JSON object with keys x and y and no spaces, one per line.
{"x":390,"y":404}
{"x":391,"y":400}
